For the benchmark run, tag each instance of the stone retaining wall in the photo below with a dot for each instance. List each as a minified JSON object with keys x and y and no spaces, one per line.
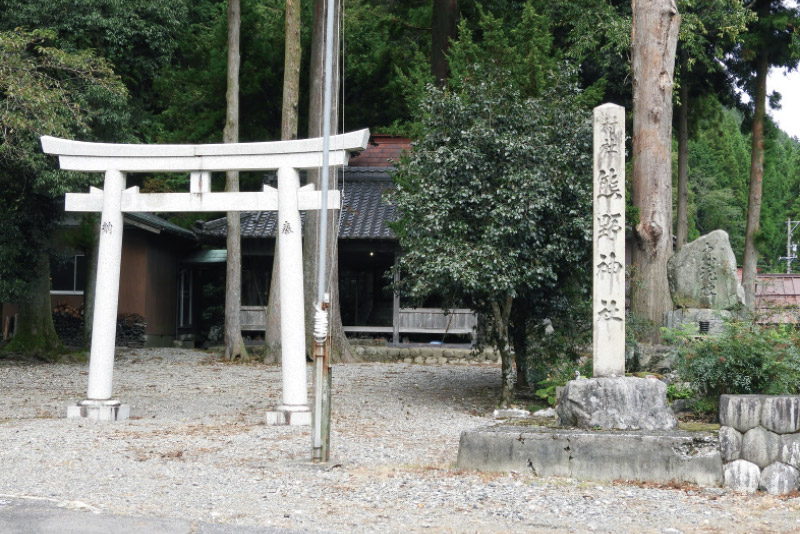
{"x":429,"y":355}
{"x":759,"y":440}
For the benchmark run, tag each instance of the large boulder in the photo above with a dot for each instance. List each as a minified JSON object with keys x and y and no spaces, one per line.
{"x":781,"y":414}
{"x":702,"y":274}
{"x":741,"y":412}
{"x":779,"y":479}
{"x":790,"y":449}
{"x":761,"y":446}
{"x":623,"y":403}
{"x":741,"y":476}
{"x":730,"y":443}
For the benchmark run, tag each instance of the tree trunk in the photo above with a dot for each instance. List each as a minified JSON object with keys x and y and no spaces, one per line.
{"x":35,"y":333}
{"x":654,"y":39}
{"x":340,"y":347}
{"x":234,"y":345}
{"x":444,"y":28}
{"x":682,"y":230}
{"x":289,"y":114}
{"x":750,"y":258}
{"x":508,"y":372}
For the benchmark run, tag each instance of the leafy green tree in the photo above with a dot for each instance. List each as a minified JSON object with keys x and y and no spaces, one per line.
{"x":771,"y":41}
{"x":709,"y":31}
{"x":138,"y":38}
{"x":494,"y":197}
{"x":43,"y":91}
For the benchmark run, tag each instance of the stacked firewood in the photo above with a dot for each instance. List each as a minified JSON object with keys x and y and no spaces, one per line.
{"x":68,"y":322}
{"x":130,"y":330}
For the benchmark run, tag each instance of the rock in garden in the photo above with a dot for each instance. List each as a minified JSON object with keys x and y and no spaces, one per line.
{"x":741,"y":412}
{"x":779,"y":479}
{"x":761,"y":446}
{"x":624,"y":403}
{"x":742,"y":476}
{"x":730,"y":443}
{"x":702,"y":274}
{"x":781,"y":414}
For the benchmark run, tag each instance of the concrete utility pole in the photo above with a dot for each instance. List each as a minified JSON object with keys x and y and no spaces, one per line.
{"x":791,"y":248}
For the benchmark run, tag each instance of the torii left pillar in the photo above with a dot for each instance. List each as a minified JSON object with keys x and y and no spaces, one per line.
{"x":99,"y":405}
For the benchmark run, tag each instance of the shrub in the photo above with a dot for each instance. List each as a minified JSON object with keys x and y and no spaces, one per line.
{"x":748,"y":358}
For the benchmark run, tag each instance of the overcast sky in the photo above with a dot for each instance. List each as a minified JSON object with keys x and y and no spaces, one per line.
{"x":788,"y":117}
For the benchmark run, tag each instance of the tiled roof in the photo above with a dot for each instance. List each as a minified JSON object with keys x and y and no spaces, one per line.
{"x":365,"y":211}
{"x":382,"y":151}
{"x":773,"y":290}
{"x":364,"y":215}
{"x":156,"y":222}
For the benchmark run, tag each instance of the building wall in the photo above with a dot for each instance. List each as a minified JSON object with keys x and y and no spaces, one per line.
{"x":161,"y":275}
{"x":133,"y":273}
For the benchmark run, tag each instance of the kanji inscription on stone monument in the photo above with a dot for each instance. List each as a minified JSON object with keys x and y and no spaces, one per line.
{"x":609,"y":241}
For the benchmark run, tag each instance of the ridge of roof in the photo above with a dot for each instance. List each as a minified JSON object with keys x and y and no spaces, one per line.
{"x":164,"y":225}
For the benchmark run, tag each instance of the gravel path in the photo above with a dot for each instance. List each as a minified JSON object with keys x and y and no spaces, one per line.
{"x":196,"y":448}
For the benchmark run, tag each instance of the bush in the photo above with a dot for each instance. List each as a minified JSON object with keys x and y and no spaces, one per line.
{"x":748,"y":358}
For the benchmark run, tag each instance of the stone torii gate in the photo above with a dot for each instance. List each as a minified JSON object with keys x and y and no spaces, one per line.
{"x":117,"y":160}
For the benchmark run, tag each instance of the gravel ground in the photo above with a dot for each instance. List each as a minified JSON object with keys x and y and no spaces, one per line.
{"x":196,"y":448}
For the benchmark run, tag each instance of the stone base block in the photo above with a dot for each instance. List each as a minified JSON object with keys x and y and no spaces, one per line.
{"x":698,"y":320}
{"x":622,"y":403}
{"x":291,"y":416}
{"x":99,"y":410}
{"x":660,"y":457}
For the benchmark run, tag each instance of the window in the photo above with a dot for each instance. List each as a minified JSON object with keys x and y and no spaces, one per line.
{"x":68,"y":276}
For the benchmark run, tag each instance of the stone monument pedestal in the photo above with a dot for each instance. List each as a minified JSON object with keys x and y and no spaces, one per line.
{"x":616,"y":403}
{"x":289,"y":415}
{"x":99,"y":410}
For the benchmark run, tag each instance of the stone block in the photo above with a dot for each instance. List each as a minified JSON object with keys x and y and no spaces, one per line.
{"x":105,"y":411}
{"x":781,"y":414}
{"x":691,"y":319}
{"x":702,"y":274}
{"x":510,"y":413}
{"x":659,"y":457}
{"x":761,"y":447}
{"x":790,"y":449}
{"x":741,"y":412}
{"x":779,"y":479}
{"x":741,"y":476}
{"x":624,"y":403}
{"x":281,"y":417}
{"x":730,"y":443}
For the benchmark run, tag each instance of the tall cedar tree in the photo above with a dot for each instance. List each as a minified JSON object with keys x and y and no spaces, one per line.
{"x":289,"y":116}
{"x":654,"y":38}
{"x":772,"y":41}
{"x":234,"y":344}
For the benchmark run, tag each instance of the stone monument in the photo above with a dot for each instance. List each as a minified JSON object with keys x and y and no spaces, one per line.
{"x":116,"y":160}
{"x":609,"y":400}
{"x":703,"y":284}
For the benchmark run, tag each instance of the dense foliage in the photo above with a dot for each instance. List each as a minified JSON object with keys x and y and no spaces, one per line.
{"x":494,"y":198}
{"x":44,"y":91}
{"x":749,"y":357}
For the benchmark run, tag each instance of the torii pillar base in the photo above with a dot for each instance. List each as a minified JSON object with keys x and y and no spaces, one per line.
{"x":289,"y":415}
{"x":99,"y":410}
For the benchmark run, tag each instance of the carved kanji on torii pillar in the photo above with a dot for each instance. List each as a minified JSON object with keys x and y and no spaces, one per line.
{"x":117,"y":160}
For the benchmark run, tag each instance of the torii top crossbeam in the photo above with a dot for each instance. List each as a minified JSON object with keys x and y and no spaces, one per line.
{"x":299,"y":154}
